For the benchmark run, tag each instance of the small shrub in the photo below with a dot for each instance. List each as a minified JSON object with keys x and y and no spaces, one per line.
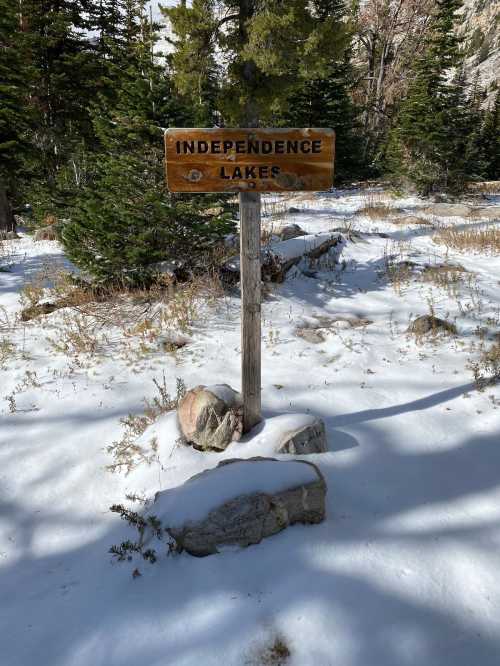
{"x":146,"y":527}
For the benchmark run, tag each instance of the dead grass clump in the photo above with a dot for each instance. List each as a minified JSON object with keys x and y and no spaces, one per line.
{"x":77,"y":335}
{"x":484,"y":187}
{"x":445,"y":276}
{"x":486,"y":369}
{"x":7,"y":351}
{"x":276,"y":654}
{"x":376,"y":206}
{"x":127,"y":452}
{"x":378,"y":211}
{"x":398,"y":269}
{"x":479,"y":239}
{"x":410,"y":219}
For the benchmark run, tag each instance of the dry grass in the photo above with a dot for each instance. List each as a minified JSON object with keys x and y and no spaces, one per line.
{"x":377,"y":207}
{"x":90,"y":324}
{"x":486,"y":368}
{"x":485,"y":187}
{"x":276,"y":653}
{"x":411,"y":219}
{"x":448,"y":277}
{"x":127,"y":453}
{"x":485,"y":239}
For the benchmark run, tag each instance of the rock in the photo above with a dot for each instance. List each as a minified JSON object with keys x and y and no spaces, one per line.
{"x":311,"y":335}
{"x":289,"y":492}
{"x":171,"y":342}
{"x":46,"y":233}
{"x":290,"y":231}
{"x":39,"y":309}
{"x":293,"y":210}
{"x":211,"y":417}
{"x":448,"y":210}
{"x":8,"y":235}
{"x":307,"y":439}
{"x":430,"y":324}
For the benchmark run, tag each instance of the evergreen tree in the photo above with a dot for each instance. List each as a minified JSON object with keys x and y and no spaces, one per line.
{"x":268,"y":48}
{"x":125,"y":221}
{"x":490,"y":140}
{"x":14,"y":113}
{"x":59,"y":47}
{"x":325,"y":102}
{"x":427,"y":144}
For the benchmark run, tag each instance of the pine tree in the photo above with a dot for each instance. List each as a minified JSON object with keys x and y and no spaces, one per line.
{"x":14,"y":113}
{"x":490,"y":140}
{"x":125,"y":221}
{"x":62,"y":60}
{"x":326,"y":102}
{"x":268,"y":49}
{"x":427,"y":144}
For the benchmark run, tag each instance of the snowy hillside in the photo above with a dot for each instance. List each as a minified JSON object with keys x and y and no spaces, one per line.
{"x":403,"y":571}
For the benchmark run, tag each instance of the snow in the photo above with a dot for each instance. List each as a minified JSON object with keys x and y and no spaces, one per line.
{"x":194,"y":500}
{"x":404,"y":570}
{"x":294,"y":247}
{"x":223,"y":392}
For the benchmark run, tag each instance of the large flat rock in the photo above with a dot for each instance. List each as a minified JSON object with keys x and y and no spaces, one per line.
{"x":240,"y":502}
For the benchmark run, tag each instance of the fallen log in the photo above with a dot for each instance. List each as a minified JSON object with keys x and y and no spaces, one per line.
{"x":279,"y":257}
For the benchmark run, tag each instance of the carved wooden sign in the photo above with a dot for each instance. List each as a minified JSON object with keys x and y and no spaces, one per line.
{"x":249,"y":160}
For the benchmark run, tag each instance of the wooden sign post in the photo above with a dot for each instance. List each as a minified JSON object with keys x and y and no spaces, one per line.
{"x":249,"y":161}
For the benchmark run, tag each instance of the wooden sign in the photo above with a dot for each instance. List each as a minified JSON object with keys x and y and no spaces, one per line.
{"x":249,"y":160}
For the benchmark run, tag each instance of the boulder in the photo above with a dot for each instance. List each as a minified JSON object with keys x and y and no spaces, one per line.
{"x":293,"y":210}
{"x":290,"y":231}
{"x":46,"y":233}
{"x":448,"y":210}
{"x":310,"y":438}
{"x":211,"y":417}
{"x":241,"y":502}
{"x":430,"y":324}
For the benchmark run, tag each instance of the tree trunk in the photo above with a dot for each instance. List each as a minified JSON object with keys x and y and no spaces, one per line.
{"x":7,"y":222}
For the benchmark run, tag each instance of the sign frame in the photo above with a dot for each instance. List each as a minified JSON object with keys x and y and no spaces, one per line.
{"x":249,"y":159}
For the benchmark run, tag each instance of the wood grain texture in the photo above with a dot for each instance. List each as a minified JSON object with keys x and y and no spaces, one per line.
{"x":250,"y":308}
{"x":249,"y":159}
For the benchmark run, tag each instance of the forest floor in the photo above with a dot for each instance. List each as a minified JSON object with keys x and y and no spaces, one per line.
{"x":405,"y":568}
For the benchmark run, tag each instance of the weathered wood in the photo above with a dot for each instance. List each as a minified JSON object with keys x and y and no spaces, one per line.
{"x":250,"y":307}
{"x":249,"y":159}
{"x":279,"y":257}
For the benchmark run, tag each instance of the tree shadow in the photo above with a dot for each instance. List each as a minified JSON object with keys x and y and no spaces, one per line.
{"x":361,"y":588}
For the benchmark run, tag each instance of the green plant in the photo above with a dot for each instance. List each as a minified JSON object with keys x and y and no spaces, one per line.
{"x":147,"y":528}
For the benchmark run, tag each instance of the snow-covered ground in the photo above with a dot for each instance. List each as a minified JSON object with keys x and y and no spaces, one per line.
{"x":404,"y":571}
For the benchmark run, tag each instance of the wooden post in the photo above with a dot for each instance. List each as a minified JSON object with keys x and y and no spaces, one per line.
{"x":250,"y":307}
